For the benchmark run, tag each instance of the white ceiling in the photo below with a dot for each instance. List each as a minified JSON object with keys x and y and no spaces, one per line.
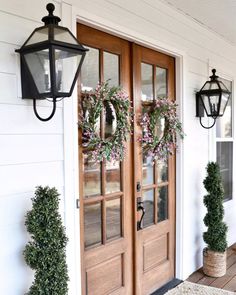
{"x":216,"y":15}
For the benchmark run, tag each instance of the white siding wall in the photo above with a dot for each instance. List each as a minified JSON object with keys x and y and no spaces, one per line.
{"x":32,"y":152}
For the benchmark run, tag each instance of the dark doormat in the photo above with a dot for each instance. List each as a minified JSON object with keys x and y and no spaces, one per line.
{"x":170,"y":285}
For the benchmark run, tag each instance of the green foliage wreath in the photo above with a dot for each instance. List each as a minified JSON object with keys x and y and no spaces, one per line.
{"x":113,"y":147}
{"x":160,"y":147}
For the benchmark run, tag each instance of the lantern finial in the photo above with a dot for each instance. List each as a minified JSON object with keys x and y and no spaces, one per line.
{"x":50,"y":8}
{"x":214,"y":76}
{"x":50,"y":18}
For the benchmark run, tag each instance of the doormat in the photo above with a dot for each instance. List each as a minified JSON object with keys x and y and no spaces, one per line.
{"x":187,"y":288}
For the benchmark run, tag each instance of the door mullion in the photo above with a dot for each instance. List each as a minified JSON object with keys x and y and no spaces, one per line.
{"x":154,"y":81}
{"x":104,"y":221}
{"x":155,"y":192}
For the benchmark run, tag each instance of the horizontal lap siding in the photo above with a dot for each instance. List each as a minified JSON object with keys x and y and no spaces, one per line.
{"x":26,"y":149}
{"x":24,"y":177}
{"x":31,"y":152}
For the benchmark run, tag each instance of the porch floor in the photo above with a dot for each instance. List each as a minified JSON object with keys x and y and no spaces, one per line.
{"x":227,"y":282}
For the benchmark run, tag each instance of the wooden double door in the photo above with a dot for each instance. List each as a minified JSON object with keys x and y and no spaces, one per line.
{"x":118,"y":257}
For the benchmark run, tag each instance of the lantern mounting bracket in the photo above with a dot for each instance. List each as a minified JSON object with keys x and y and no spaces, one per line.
{"x":199,"y":106}
{"x":54,"y":101}
{"x":207,"y":127}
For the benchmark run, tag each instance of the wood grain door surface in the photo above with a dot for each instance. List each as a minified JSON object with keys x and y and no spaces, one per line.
{"x":106,"y":212}
{"x":154,"y":76}
{"x":116,"y":258}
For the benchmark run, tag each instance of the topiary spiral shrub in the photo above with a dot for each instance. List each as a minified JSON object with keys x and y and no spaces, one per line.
{"x":46,"y":253}
{"x":215,"y":236}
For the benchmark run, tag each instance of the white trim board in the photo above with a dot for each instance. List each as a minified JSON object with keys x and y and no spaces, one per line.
{"x":86,"y":18}
{"x":71,"y":190}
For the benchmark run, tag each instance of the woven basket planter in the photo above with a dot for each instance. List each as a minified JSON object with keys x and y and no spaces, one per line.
{"x":214,"y":263}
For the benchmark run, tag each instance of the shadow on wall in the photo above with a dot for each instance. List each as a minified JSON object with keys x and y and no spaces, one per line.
{"x":198,"y":223}
{"x":26,"y":271}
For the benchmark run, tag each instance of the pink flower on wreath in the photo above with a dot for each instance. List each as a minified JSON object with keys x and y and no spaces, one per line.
{"x":167,"y":143}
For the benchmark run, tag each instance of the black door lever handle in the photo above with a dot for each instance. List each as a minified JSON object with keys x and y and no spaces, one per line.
{"x":140,"y":207}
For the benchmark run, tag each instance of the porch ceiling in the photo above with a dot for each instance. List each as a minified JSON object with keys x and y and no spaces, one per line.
{"x":218,"y":16}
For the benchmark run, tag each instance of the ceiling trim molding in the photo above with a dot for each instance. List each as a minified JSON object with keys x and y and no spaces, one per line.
{"x":198,"y":22}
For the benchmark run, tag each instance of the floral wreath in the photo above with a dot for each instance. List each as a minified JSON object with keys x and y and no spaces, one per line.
{"x":112,"y":148}
{"x":159,"y":148}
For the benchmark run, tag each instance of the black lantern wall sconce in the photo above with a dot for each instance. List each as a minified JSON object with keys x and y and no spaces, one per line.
{"x":212,"y":98}
{"x":51,"y":59}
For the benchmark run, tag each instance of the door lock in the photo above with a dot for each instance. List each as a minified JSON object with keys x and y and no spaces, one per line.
{"x":138,"y":187}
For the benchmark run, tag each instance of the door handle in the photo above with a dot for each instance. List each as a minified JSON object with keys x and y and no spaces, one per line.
{"x":140,"y":207}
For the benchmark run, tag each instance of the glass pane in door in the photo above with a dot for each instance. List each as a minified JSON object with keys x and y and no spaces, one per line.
{"x":148,"y":202}
{"x":111,"y":68}
{"x":161,"y":82}
{"x":92,"y":225}
{"x":160,"y":127}
{"x":110,"y":120}
{"x":90,"y":70}
{"x":148,"y":170}
{"x":113,"y":218}
{"x":113,"y":183}
{"x":162,"y":171}
{"x":147,"y":82}
{"x":92,"y":178}
{"x":162,"y":203}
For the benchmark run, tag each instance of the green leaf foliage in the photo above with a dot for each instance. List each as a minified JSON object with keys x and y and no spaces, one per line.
{"x":46,"y":253}
{"x":155,"y":144}
{"x":111,"y":101}
{"x":215,"y":237}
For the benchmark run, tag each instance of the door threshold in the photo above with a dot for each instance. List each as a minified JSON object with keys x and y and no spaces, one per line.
{"x":170,"y":285}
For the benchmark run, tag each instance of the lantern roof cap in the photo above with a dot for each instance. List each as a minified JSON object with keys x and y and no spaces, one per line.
{"x":50,"y":18}
{"x":51,"y":34}
{"x":214,"y":86}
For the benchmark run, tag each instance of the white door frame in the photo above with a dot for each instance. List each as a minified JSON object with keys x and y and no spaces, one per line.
{"x":70,"y":16}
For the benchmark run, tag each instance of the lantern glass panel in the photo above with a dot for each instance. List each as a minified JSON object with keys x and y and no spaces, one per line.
{"x":213,"y":85}
{"x":210,"y":85}
{"x":38,"y":36}
{"x":206,"y":103}
{"x":39,"y":67}
{"x":62,"y":35}
{"x":224,"y":100}
{"x":214,"y":104}
{"x":66,"y":66}
{"x":223,"y":87}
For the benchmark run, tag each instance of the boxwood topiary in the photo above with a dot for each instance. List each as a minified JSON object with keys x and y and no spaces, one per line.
{"x":46,"y":252}
{"x":215,"y":236}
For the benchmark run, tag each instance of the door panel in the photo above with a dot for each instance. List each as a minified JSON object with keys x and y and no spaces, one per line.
{"x":117,"y":258}
{"x":154,"y":244}
{"x":106,"y":187}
